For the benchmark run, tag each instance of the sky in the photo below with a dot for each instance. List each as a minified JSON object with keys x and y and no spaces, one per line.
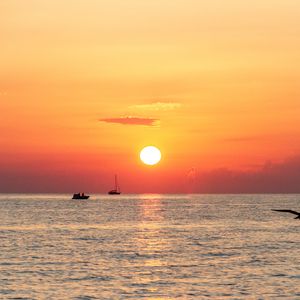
{"x":86,"y":84}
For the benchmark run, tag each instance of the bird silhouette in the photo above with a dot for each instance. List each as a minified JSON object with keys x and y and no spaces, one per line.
{"x":289,"y":211}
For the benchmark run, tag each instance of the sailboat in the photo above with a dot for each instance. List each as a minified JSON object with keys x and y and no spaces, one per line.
{"x":116,"y":190}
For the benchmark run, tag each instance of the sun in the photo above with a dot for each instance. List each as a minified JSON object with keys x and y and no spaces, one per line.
{"x":150,"y":155}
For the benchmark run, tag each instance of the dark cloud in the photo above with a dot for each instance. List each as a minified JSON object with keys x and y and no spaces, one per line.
{"x":131,"y":121}
{"x":270,"y":178}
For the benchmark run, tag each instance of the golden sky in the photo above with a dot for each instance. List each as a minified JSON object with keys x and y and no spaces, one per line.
{"x":85,"y":84}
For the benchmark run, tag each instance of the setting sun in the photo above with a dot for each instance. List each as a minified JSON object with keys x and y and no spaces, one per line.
{"x":150,"y":155}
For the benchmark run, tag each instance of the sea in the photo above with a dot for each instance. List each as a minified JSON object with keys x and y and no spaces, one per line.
{"x":149,"y":246}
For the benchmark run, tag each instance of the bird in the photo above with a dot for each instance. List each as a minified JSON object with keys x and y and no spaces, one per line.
{"x":289,"y":211}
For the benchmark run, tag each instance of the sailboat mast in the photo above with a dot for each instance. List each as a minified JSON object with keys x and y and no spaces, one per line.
{"x":116,"y":184}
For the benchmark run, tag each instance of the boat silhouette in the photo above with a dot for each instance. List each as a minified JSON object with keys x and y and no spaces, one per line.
{"x":116,"y":190}
{"x":79,"y":196}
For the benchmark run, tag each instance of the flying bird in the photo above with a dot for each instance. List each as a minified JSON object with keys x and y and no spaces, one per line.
{"x":289,"y":211}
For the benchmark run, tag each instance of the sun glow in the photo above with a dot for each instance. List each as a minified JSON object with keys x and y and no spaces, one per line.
{"x":150,"y":155}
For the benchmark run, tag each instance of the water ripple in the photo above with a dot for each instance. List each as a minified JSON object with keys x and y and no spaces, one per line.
{"x":148,"y":247}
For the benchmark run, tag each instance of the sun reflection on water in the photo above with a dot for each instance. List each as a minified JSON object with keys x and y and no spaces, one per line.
{"x":151,"y":245}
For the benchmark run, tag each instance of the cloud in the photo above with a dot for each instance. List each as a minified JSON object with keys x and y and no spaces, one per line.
{"x":155,"y":106}
{"x":192,"y":174}
{"x":272,"y":177}
{"x":132,"y":121}
{"x":244,"y":139}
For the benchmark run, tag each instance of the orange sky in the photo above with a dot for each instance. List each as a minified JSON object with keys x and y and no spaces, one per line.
{"x":214,"y":84}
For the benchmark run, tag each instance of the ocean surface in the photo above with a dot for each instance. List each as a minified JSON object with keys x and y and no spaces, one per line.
{"x":149,"y":247}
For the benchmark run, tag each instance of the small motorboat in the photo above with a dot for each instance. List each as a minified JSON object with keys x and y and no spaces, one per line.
{"x":79,"y":196}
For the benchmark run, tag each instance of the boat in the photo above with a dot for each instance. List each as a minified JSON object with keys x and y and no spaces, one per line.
{"x":116,"y":190}
{"x":79,"y":196}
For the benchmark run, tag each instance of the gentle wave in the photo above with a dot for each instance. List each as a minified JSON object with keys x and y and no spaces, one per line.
{"x":149,"y":247}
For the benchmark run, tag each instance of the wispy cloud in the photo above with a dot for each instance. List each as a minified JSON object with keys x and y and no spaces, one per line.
{"x":155,"y":106}
{"x":244,"y":139}
{"x":132,"y":121}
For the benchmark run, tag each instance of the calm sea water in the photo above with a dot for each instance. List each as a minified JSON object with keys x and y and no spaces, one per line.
{"x":149,"y":247}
